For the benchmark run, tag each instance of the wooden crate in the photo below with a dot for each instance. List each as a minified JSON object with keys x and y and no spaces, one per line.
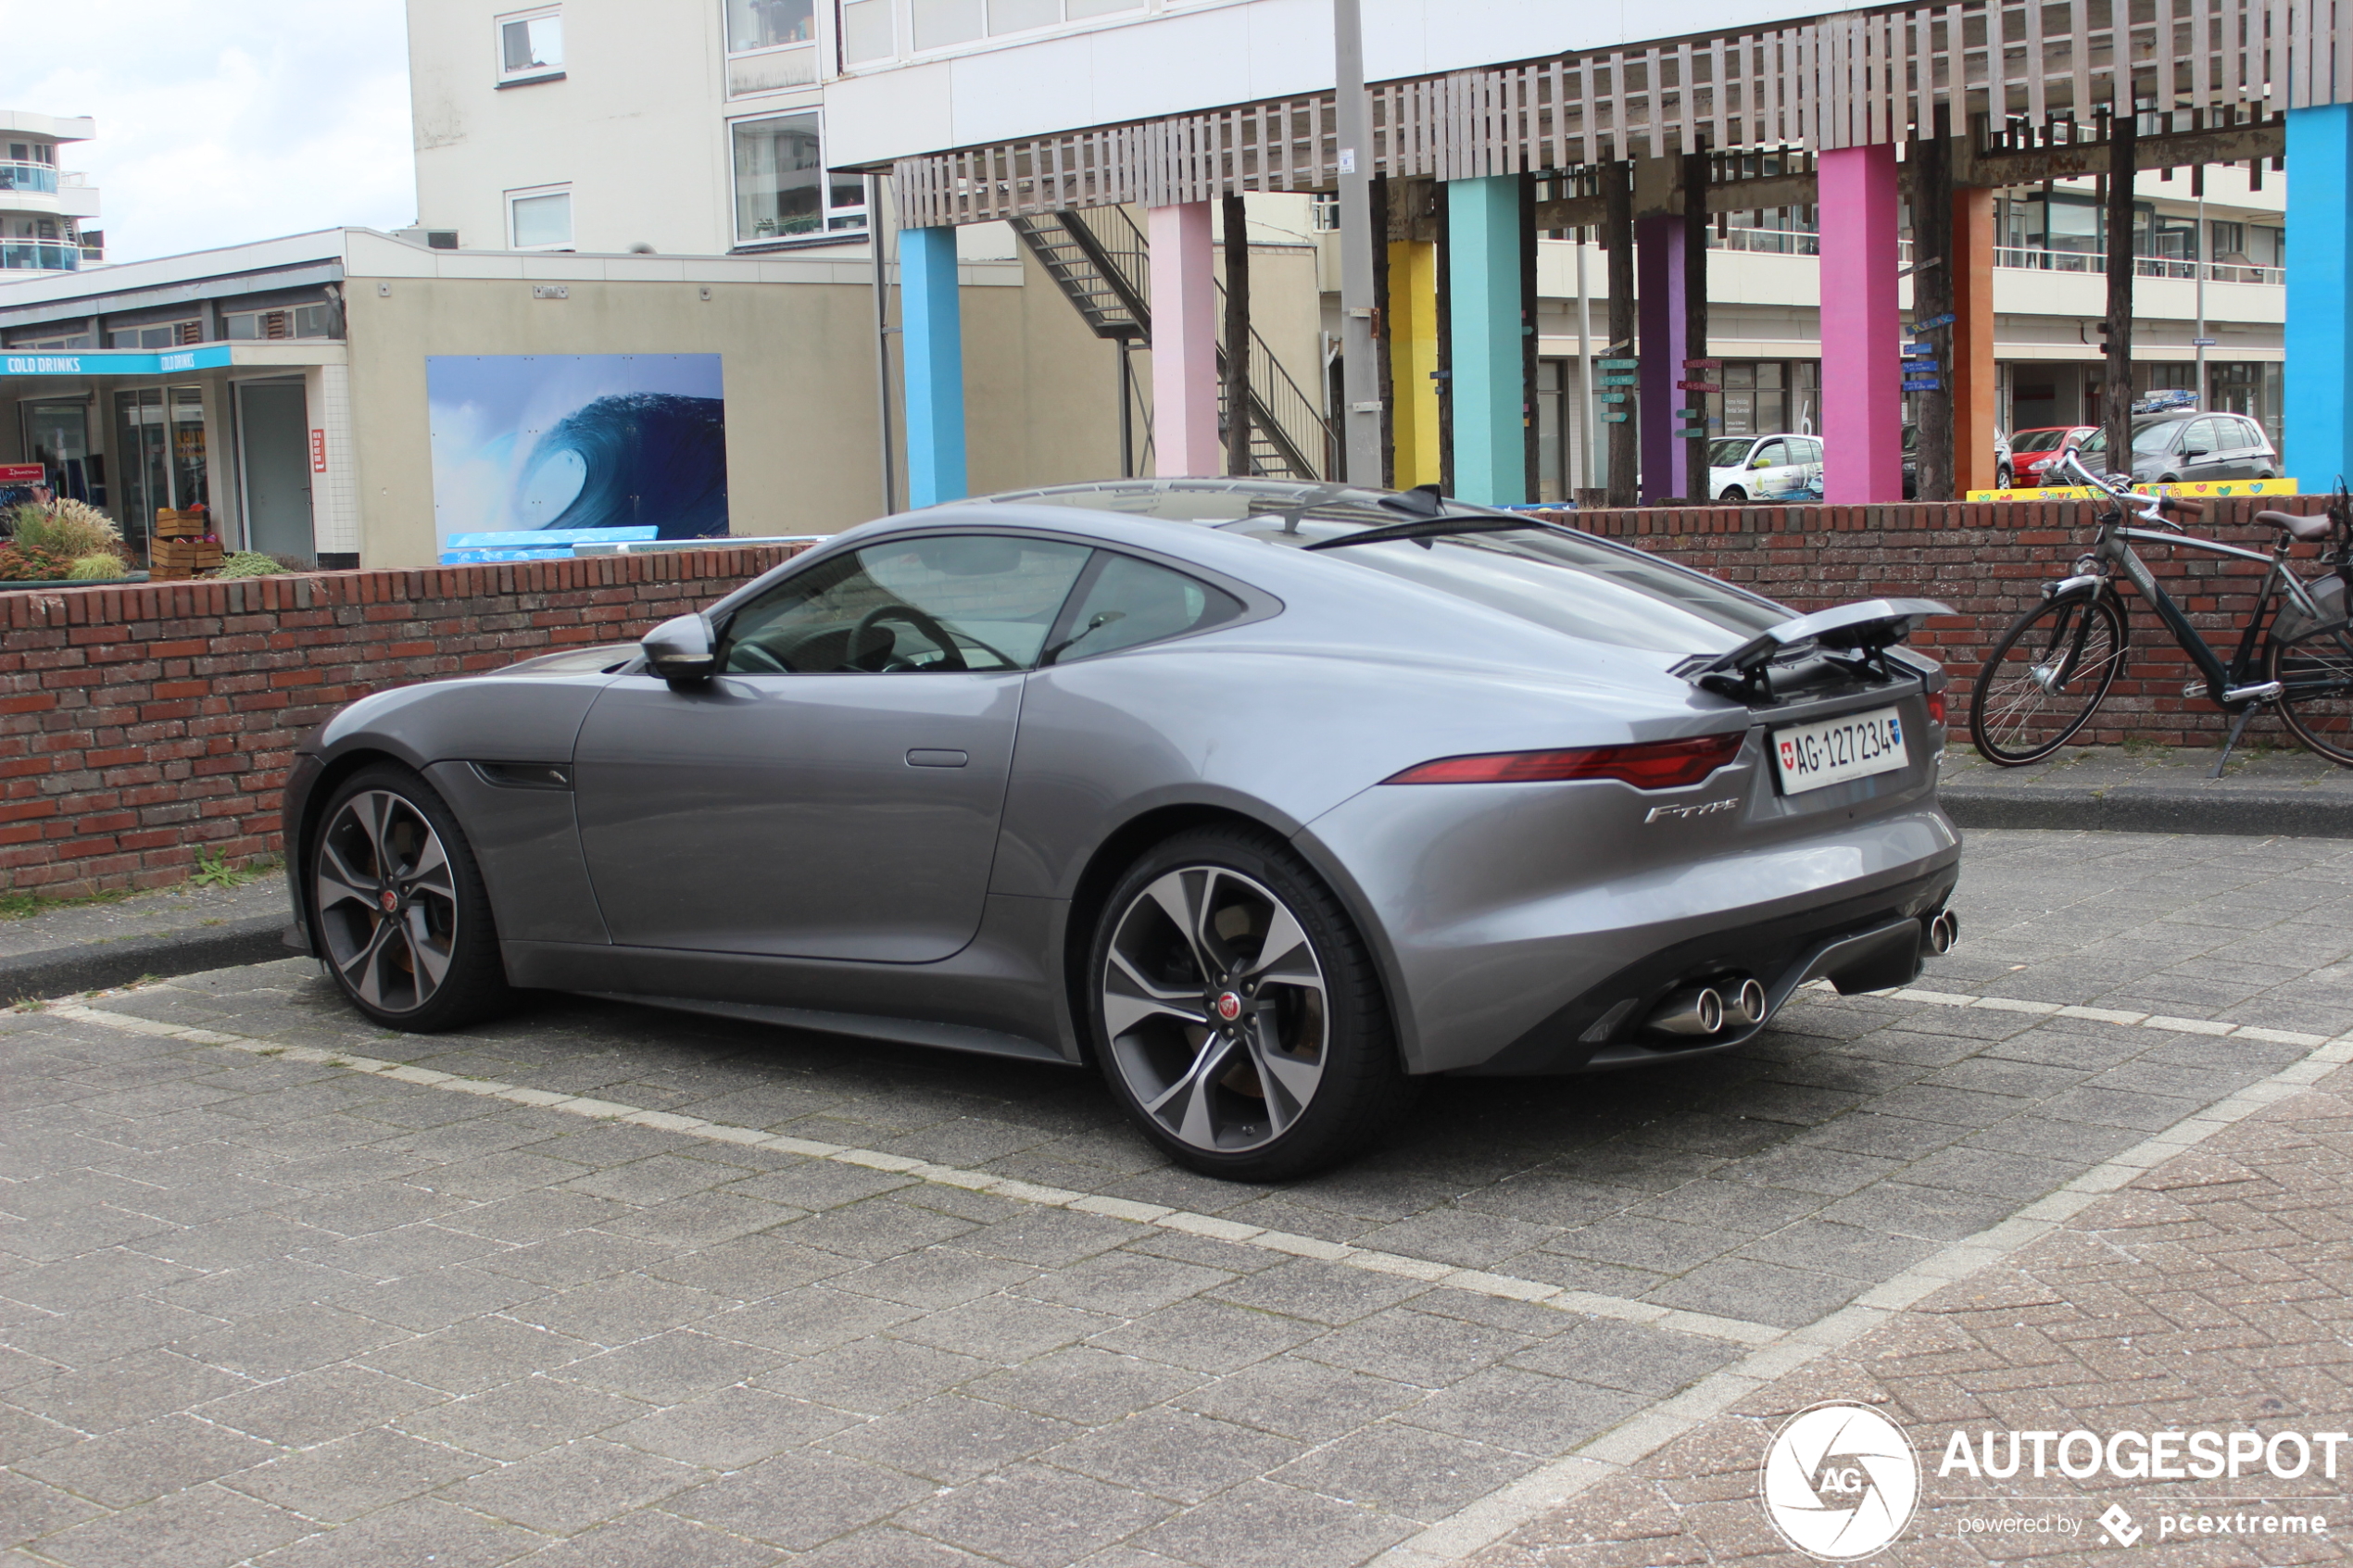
{"x":171,"y":524}
{"x":171,"y":558}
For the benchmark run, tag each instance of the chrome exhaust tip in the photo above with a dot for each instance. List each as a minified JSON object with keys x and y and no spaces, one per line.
{"x":1748,"y":1002}
{"x":1944,"y":929}
{"x":1697,"y":1010}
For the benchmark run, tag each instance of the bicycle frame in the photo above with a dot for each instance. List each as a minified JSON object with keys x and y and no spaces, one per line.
{"x":2226,"y":684}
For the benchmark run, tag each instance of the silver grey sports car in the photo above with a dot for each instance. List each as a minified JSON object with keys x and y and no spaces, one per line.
{"x":1266,"y":798}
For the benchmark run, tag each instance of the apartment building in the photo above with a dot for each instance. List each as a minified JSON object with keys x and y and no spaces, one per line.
{"x":46,"y":210}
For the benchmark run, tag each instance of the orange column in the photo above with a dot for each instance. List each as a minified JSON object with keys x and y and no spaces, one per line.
{"x":1974,"y":404}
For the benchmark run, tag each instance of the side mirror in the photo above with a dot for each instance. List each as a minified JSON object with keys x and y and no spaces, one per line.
{"x":682,"y":649}
{"x":2189,"y":452}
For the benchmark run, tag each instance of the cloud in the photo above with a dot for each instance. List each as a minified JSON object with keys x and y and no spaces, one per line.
{"x":222,"y":123}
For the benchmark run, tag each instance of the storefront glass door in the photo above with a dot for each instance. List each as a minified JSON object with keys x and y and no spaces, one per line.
{"x":159,"y":455}
{"x":57,"y":435}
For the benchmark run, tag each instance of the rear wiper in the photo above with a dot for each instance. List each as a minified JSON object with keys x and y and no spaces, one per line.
{"x":1431,"y":528}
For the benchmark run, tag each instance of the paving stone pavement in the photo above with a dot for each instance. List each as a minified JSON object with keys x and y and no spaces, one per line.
{"x":268,"y":1310}
{"x":2212,"y":1294}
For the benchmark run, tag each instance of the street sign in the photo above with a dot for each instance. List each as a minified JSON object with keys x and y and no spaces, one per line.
{"x":1923,"y":386}
{"x":1703,"y":364}
{"x":1699,"y":386}
{"x":1920,"y":351}
{"x":1614,"y":416}
{"x":2205,"y":342}
{"x":1699,"y":414}
{"x":1613,"y":396}
{"x":1620,"y":381}
{"x":1618,"y":364}
{"x":1944,"y":320}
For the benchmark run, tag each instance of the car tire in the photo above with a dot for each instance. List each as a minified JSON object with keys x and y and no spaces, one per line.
{"x":2004,"y":479}
{"x":398,"y":911}
{"x":1734,"y":494}
{"x":1236,"y":1012}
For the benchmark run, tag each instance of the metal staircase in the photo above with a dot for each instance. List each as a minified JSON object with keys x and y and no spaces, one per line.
{"x":1102,"y":262}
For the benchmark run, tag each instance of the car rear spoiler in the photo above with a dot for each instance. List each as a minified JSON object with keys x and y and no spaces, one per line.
{"x":1863,"y":631}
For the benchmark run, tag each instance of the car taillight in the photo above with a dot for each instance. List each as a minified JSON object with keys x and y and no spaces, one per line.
{"x":1665,"y":764}
{"x":1936,"y":707}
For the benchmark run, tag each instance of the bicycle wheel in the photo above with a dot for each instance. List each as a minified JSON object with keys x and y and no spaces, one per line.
{"x":2315,"y":673}
{"x":2045,"y":679}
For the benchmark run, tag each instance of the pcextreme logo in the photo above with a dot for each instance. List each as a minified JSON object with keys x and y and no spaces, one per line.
{"x":1840,"y":1481}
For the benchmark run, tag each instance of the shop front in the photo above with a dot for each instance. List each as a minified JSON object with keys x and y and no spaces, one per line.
{"x":220,"y":427}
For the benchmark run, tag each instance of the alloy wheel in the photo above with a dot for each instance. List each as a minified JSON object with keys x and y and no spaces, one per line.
{"x":1215,"y":1007}
{"x":388,"y":901}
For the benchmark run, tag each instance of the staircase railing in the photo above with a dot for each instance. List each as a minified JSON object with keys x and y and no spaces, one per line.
{"x":1101,"y":259}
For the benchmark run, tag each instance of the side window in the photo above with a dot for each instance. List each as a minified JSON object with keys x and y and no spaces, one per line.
{"x":1127,"y":601}
{"x":1808,"y":450}
{"x":2245,"y":434}
{"x":1771,"y":455}
{"x":976,"y":601}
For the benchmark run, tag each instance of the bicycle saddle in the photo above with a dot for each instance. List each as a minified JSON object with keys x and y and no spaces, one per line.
{"x":2308,"y":529}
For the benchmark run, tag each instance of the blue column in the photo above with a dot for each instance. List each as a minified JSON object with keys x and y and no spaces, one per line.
{"x":932,"y":335}
{"x":1482,"y":261}
{"x":2316,"y":434}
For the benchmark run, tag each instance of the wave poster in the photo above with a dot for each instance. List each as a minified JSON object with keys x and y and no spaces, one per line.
{"x":533,"y":442}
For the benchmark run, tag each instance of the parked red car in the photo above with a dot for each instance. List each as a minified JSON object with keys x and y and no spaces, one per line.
{"x":2032,"y":451}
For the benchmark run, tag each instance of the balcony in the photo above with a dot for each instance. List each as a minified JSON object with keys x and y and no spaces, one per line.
{"x":40,"y":177}
{"x":1795,"y":242}
{"x":39,"y":256}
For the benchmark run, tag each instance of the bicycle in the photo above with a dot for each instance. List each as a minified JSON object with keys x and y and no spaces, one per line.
{"x":2056,"y":664}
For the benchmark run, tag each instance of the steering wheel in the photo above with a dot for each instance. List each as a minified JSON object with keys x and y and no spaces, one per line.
{"x":750,"y":658}
{"x":951,"y":659}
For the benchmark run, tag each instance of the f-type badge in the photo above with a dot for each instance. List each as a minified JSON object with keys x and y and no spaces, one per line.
{"x":1684,"y":813}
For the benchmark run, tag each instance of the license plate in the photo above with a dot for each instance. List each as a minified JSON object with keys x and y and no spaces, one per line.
{"x":1855,"y":747}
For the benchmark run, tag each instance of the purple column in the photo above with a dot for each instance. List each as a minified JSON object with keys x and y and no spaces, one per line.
{"x":1658,"y":295}
{"x":1862,"y":332}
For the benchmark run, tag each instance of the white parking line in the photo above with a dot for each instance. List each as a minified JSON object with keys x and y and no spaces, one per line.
{"x":1476,"y":1281}
{"x":2102,"y":1015}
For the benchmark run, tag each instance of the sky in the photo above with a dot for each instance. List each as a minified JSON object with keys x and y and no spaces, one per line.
{"x":223,"y":122}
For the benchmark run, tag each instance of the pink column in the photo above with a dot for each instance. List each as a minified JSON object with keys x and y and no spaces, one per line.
{"x":1862,"y":331}
{"x":1184,"y":342}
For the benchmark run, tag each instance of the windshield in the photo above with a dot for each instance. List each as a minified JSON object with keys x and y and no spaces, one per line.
{"x":1728,"y":452}
{"x":2037,"y":440}
{"x":1565,"y":580}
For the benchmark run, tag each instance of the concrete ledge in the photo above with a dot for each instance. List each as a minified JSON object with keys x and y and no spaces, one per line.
{"x":94,"y":966}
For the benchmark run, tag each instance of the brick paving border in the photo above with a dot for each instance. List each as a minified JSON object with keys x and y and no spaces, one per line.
{"x":2213,"y":1290}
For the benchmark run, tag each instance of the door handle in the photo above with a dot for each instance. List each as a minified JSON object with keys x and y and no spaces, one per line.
{"x":924,"y":757}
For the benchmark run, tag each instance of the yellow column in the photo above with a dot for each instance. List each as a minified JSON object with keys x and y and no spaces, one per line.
{"x":1413,"y":358}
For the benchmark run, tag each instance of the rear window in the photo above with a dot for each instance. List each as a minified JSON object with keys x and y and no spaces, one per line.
{"x":2037,"y":440}
{"x":1565,"y":581}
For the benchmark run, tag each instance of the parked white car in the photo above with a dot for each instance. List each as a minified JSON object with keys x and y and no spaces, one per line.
{"x":1764,"y":468}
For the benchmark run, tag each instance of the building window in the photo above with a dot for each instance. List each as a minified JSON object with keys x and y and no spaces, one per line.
{"x":866,"y":32}
{"x":769,"y":24}
{"x":939,"y":23}
{"x":782,"y":188}
{"x":531,"y":45}
{"x":539,"y":218}
{"x":157,"y":335}
{"x":771,"y":44}
{"x":263,"y":326}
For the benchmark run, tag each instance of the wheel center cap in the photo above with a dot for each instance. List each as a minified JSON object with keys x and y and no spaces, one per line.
{"x":1228,"y":1005}
{"x":389,"y":899}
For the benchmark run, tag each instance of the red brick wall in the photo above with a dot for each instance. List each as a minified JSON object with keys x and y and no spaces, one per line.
{"x":139,"y":724}
{"x":1989,"y":561}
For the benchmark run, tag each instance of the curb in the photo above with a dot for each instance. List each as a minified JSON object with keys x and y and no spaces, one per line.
{"x":2245,"y":813}
{"x":95,"y":966}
